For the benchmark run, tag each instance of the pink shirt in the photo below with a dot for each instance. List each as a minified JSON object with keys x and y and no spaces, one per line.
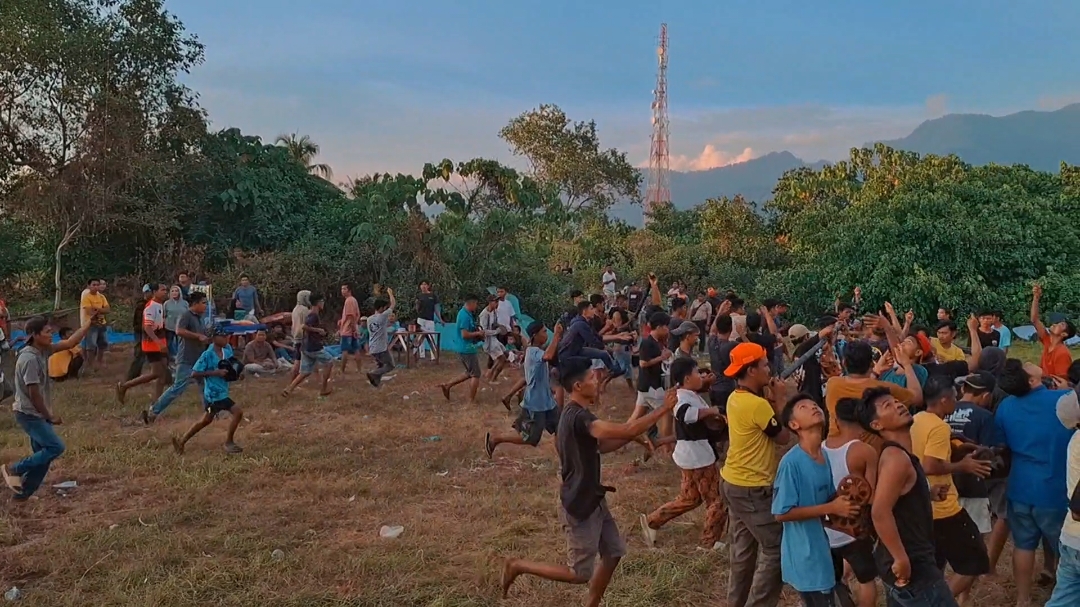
{"x":347,"y":326}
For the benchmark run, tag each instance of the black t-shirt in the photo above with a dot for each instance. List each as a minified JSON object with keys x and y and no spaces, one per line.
{"x":991,"y":339}
{"x":953,"y":368}
{"x":313,"y":342}
{"x":425,"y":306}
{"x":977,"y":425}
{"x":673,"y":340}
{"x":767,"y":341}
{"x":634,"y":299}
{"x":579,"y":462}
{"x":720,"y":360}
{"x":812,"y":382}
{"x":650,"y":378}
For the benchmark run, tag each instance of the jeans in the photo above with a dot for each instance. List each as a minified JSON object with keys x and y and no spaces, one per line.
{"x":47,"y":446}
{"x":283,"y":353}
{"x":927,"y":594}
{"x":603,"y":356}
{"x":385,"y":362}
{"x":1067,"y":589}
{"x":181,"y":380}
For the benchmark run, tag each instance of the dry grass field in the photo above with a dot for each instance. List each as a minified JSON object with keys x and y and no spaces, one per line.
{"x":317,"y":479}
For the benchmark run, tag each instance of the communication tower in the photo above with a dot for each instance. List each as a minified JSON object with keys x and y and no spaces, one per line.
{"x":658,"y":188}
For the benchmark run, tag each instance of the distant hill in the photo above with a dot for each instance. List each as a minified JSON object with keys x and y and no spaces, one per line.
{"x":1041,"y":140}
{"x":754,"y":179}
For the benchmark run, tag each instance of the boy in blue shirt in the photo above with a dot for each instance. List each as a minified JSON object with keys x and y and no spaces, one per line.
{"x":538,"y":409}
{"x":801,"y":500}
{"x":215,"y":393}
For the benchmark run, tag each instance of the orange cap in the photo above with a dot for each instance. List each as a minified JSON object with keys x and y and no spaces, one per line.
{"x":925,"y":346}
{"x":742,"y":355}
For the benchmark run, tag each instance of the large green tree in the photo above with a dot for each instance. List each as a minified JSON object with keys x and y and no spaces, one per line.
{"x":568,"y":155}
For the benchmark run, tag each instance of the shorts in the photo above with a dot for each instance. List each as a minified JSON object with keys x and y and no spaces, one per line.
{"x":532,"y":424}
{"x":978,"y":508}
{"x":959,"y":543}
{"x":585,"y":539}
{"x":495,"y":351}
{"x":860,"y":555}
{"x":154,"y":357}
{"x":1030,"y":524}
{"x":652,"y":400}
{"x":350,"y":344}
{"x":96,"y":338}
{"x":310,"y":360}
{"x":225,"y":404}
{"x":472,"y":365}
{"x":999,"y":504}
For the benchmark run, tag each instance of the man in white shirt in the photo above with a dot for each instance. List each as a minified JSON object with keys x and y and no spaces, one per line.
{"x":1067,"y":587}
{"x":494,"y":334}
{"x":608,"y":280}
{"x":695,"y":455}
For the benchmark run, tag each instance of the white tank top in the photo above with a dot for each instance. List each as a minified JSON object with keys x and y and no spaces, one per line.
{"x":838,"y":463}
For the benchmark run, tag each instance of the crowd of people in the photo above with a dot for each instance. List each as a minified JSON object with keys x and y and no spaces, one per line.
{"x":867,"y":448}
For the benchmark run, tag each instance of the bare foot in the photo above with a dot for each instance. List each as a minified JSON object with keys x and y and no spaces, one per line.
{"x":325,"y":392}
{"x":177,"y":446}
{"x":509,"y":574}
{"x":445,"y":391}
{"x":285,"y":393}
{"x":121,"y":392}
{"x":506,"y":401}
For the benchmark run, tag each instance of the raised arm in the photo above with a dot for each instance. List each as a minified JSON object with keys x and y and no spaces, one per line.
{"x":390,"y":294}
{"x":75,"y":338}
{"x":976,"y":343}
{"x":552,"y":351}
{"x":654,"y":291}
{"x":1036,"y":295}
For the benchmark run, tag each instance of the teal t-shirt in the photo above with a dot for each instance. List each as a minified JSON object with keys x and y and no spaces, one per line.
{"x":466,"y":322}
{"x":896,"y":376}
{"x":805,"y":557}
{"x":214,"y":388}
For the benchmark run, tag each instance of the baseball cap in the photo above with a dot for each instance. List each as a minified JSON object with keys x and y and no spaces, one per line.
{"x":534,"y":327}
{"x":742,"y":355}
{"x":685,"y":328}
{"x":219,"y":330}
{"x":925,"y":346}
{"x":1068,"y":410}
{"x":146,"y":288}
{"x":980,"y":382}
{"x":798,"y":331}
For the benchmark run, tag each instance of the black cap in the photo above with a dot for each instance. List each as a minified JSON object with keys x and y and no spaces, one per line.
{"x":534,"y":327}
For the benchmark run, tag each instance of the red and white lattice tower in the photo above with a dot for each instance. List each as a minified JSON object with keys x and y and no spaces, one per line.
{"x":658,"y":188}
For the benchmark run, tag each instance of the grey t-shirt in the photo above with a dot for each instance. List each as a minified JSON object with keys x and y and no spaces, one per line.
{"x":248,"y":297}
{"x":190,"y":349}
{"x":377,"y":325}
{"x":31,"y":368}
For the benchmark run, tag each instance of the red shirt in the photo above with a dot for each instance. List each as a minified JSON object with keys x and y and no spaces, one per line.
{"x":1055,"y":360}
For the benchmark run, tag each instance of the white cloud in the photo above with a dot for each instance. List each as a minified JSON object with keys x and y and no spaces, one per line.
{"x":710,"y":158}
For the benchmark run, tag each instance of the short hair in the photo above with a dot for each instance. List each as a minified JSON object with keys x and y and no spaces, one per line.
{"x":91,"y":281}
{"x":946,"y":324}
{"x":678,"y":303}
{"x":244,"y":275}
{"x":681,"y":368}
{"x":378,"y":303}
{"x":471,"y":297}
{"x":349,"y":286}
{"x":938,"y":387}
{"x":858,"y":357}
{"x":65,"y":331}
{"x":583,"y":305}
{"x":660,"y":319}
{"x":576,"y":293}
{"x":867,"y":408}
{"x":596,"y":299}
{"x":770,"y":303}
{"x":196,"y":297}
{"x":723,"y":324}
{"x":847,"y":410}
{"x":753,"y":322}
{"x":789,"y":408}
{"x":1014,"y":379}
{"x":572,"y":371}
{"x":317,"y":299}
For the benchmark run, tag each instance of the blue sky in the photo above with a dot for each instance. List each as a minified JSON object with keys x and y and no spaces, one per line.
{"x":388,"y":86}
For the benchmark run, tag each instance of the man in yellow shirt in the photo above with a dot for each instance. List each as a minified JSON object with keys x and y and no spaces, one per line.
{"x":749,"y":471}
{"x":65,"y":364}
{"x":957,"y":538}
{"x":96,"y":341}
{"x":944,"y":349}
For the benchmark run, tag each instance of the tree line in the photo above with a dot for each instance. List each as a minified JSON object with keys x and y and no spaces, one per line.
{"x":108,"y":167}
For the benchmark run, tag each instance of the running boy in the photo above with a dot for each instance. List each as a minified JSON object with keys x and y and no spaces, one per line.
{"x":695,"y":455}
{"x":538,"y":410}
{"x":590,"y":527}
{"x":801,"y":499}
{"x":215,"y":393}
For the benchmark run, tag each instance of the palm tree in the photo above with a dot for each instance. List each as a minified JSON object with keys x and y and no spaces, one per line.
{"x":304,"y":150}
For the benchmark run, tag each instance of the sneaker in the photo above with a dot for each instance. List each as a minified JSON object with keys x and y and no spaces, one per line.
{"x":233,"y":448}
{"x":647,"y":532}
{"x":13,"y":481}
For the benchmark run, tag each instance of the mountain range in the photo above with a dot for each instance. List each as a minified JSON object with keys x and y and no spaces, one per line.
{"x":1041,"y":140}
